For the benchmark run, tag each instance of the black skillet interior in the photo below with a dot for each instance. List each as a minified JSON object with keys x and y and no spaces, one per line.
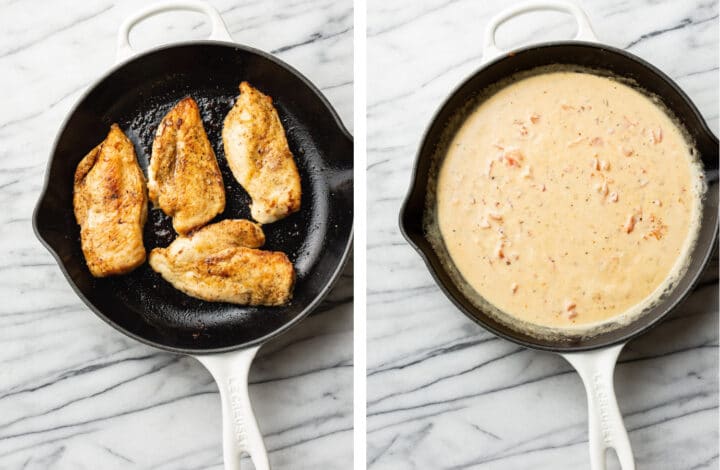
{"x":136,"y":96}
{"x":588,"y":55}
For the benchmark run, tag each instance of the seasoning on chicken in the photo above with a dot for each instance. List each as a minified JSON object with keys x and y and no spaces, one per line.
{"x":110,"y":203}
{"x":184,"y":179}
{"x":258,"y":155}
{"x":221,"y":263}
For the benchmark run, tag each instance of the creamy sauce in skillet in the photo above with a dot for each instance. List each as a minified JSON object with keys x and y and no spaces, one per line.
{"x":568,"y":199}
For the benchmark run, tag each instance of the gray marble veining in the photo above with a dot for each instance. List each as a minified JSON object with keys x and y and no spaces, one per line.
{"x":76,"y":394}
{"x":442,"y":392}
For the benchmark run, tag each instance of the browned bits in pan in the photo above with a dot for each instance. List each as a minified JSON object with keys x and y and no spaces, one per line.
{"x":629,"y":224}
{"x":488,"y":169}
{"x":499,"y":250}
{"x":657,"y":135}
{"x":569,"y":308}
{"x":495,"y":215}
{"x":603,"y":188}
{"x":629,"y":122}
{"x":575,"y":142}
{"x":513,"y":157}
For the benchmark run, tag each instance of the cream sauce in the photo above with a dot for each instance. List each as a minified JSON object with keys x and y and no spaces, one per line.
{"x":567,"y":199}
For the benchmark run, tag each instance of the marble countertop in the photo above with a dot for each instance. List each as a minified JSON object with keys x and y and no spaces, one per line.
{"x":76,"y":394}
{"x":442,"y":392}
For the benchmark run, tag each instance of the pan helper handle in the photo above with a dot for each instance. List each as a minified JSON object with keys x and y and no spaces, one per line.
{"x":584,"y":29}
{"x":241,"y":434}
{"x":606,"y":428}
{"x":218,"y":31}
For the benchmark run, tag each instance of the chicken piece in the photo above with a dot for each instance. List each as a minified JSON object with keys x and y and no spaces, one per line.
{"x":110,"y":203}
{"x":259,"y":157}
{"x":220,"y":263}
{"x":232,"y":233}
{"x":184,"y":179}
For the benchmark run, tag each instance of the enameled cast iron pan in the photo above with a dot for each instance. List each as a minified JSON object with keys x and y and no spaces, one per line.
{"x":593,"y":357}
{"x":137,"y":94}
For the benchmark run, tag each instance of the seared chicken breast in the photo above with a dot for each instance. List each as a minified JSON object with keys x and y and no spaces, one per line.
{"x":110,"y":203}
{"x":184,"y":179}
{"x":259,"y":157}
{"x":221,"y":263}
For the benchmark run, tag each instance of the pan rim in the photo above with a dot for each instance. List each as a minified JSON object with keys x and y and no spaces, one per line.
{"x":411,"y":238}
{"x":334,"y":275}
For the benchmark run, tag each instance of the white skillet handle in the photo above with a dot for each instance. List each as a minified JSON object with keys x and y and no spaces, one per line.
{"x":606,"y":428}
{"x":584,"y":29}
{"x":218,"y":32}
{"x":241,"y":434}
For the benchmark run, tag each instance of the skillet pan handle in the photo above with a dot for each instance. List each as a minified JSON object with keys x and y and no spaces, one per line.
{"x":606,"y":428}
{"x":584,"y":29}
{"x":218,"y":31}
{"x":241,"y":434}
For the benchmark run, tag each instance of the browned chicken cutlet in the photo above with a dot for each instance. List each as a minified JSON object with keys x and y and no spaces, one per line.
{"x":184,"y":179}
{"x":221,"y":263}
{"x":258,"y":155}
{"x":110,"y":203}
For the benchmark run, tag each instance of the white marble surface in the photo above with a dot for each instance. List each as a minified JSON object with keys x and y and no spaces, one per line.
{"x":74,"y":393}
{"x":442,"y":392}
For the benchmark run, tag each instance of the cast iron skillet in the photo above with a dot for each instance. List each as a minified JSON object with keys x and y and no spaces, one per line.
{"x":605,"y":419}
{"x":136,"y":95}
